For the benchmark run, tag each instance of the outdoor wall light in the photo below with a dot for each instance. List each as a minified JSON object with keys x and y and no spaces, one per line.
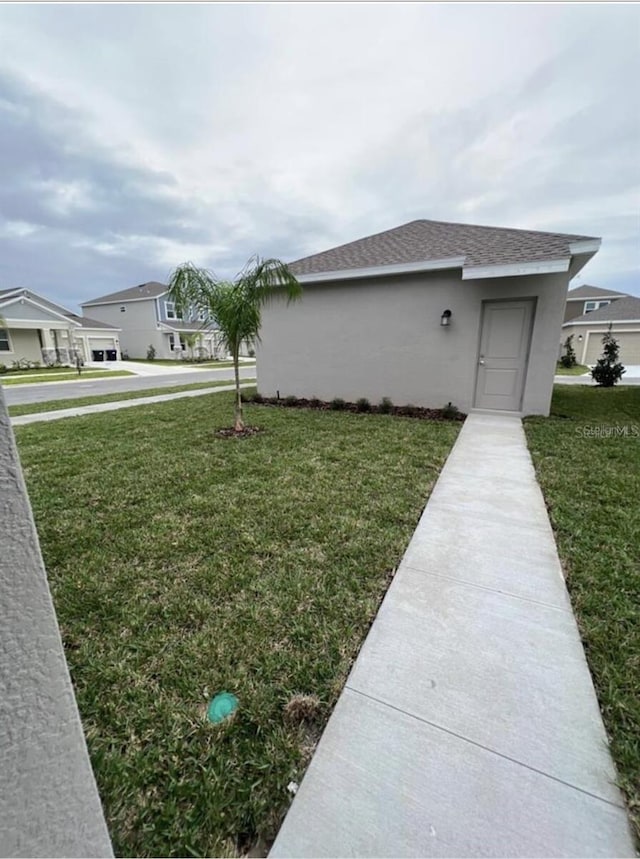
{"x":445,"y":319}
{"x":579,"y":337}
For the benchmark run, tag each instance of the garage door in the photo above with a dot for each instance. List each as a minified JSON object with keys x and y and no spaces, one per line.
{"x":628,"y":341}
{"x":99,"y":347}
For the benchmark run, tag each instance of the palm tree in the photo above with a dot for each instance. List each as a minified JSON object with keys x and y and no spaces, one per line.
{"x":234,"y":305}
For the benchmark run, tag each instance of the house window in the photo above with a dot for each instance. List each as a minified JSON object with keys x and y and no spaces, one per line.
{"x":170,"y":310}
{"x":594,"y":305}
{"x":5,"y":344}
{"x":173,"y":343}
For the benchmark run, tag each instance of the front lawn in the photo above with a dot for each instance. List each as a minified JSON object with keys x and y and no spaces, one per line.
{"x":578,"y":370}
{"x":172,"y":362}
{"x":69,"y":376}
{"x":587,"y":457}
{"x":183,"y":564}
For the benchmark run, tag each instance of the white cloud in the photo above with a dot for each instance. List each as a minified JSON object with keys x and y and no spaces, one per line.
{"x":287,"y":128}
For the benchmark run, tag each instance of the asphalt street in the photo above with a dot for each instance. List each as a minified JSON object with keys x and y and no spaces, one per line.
{"x":18,"y":394}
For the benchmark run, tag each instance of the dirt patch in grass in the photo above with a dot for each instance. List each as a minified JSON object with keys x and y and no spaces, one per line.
{"x":245,"y":432}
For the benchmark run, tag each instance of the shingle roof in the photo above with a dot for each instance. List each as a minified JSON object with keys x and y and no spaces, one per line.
{"x":620,"y":310}
{"x":421,"y":241}
{"x":91,"y":323}
{"x":152,"y":289}
{"x":586,"y":291}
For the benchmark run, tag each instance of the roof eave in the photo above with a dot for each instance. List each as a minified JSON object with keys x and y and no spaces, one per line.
{"x":517,"y":269}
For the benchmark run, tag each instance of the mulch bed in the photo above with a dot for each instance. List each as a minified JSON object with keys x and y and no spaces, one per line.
{"x":399,"y":411}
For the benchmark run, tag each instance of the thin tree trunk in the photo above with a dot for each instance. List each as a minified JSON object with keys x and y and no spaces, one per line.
{"x":239,"y":419}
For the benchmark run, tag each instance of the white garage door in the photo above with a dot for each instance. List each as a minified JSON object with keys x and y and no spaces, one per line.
{"x":100,"y":344}
{"x":628,"y":341}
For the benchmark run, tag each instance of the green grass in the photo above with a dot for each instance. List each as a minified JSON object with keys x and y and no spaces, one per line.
{"x":38,"y":370}
{"x":590,"y":476}
{"x":69,"y":403}
{"x":70,"y":376}
{"x":183,"y":564}
{"x":578,"y":370}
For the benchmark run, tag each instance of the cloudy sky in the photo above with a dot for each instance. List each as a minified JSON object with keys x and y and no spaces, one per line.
{"x":136,"y":137}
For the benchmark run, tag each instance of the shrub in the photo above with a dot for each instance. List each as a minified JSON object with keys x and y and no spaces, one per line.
{"x":363,"y":405}
{"x":291,"y":400}
{"x":608,"y":370}
{"x":569,"y":358}
{"x":450,"y":411}
{"x":3,"y":368}
{"x":337,"y":404}
{"x":258,"y":398}
{"x":315,"y":403}
{"x":252,"y":353}
{"x":124,"y":355}
{"x":386,"y":406}
{"x":151,"y":352}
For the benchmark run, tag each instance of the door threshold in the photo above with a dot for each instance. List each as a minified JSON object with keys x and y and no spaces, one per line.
{"x":497,"y":413}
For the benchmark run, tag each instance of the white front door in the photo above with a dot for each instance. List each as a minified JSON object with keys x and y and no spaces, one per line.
{"x":504,"y":350}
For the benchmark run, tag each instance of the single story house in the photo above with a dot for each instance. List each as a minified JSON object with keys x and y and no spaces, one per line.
{"x":147,"y":319}
{"x":35,"y":329}
{"x":623,"y":315}
{"x":586,"y":299}
{"x":426,"y":313}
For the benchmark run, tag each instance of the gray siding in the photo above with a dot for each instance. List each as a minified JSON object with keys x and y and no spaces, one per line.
{"x":138,"y":324}
{"x":382,"y":338}
{"x":24,"y":343}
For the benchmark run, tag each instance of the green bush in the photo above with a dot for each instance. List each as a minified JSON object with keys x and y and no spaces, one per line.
{"x":337,"y":404}
{"x":450,"y":411}
{"x":386,"y":406}
{"x":291,"y":400}
{"x":151,"y":352}
{"x":3,"y":368}
{"x":569,"y":359}
{"x":315,"y":403}
{"x":363,"y":405}
{"x":608,"y":370}
{"x":258,"y":398}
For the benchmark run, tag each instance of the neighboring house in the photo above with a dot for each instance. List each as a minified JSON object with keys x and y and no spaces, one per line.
{"x":586,"y":299}
{"x":623,"y":315}
{"x":147,"y":318}
{"x":426,"y":313}
{"x":33,"y":328}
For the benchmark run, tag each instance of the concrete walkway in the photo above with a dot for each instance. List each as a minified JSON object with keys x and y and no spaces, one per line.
{"x":96,"y":408}
{"x":469,"y":725}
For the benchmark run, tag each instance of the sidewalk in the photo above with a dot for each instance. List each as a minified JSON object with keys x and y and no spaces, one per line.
{"x":469,"y":725}
{"x":21,"y":420}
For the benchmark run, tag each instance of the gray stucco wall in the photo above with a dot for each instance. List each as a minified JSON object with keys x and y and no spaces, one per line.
{"x":24,"y":344}
{"x":138,"y":324}
{"x":382,"y":338}
{"x":49,"y":804}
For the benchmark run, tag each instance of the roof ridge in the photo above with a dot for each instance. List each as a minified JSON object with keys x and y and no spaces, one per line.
{"x":499,"y":229}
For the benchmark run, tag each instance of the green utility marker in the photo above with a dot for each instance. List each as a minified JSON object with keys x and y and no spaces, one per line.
{"x":222,"y":706}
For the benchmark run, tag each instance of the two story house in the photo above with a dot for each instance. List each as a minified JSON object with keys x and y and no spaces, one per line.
{"x":148,"y":319}
{"x":590,"y":312}
{"x":35,"y":329}
{"x":585,"y":299}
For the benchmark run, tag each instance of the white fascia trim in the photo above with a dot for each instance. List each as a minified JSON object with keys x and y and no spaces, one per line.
{"x":107,"y":331}
{"x":596,"y":298}
{"x":586,"y":247}
{"x":515,"y":269}
{"x":33,"y":303}
{"x":122,"y":300}
{"x":379,"y":270}
{"x":599,"y":322}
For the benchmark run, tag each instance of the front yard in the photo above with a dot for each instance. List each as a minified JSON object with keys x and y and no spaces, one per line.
{"x":39,"y":377}
{"x":577,"y":370}
{"x":183,"y":565}
{"x":587,"y":457}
